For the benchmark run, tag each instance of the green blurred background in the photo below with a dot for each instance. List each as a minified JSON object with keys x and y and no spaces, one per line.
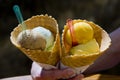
{"x":13,"y":62}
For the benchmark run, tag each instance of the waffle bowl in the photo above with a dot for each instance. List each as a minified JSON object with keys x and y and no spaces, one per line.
{"x":81,"y":62}
{"x":50,"y":57}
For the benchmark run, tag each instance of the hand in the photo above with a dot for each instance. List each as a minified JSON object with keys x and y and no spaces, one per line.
{"x":40,"y":74}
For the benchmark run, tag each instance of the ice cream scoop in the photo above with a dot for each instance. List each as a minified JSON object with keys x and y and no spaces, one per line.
{"x":87,"y":48}
{"x":46,"y":34}
{"x":36,"y":38}
{"x":81,"y":32}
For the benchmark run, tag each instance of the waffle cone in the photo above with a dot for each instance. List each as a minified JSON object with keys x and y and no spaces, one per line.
{"x":47,"y":57}
{"x":74,"y":61}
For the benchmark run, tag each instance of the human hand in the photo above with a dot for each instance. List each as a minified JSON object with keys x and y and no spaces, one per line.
{"x":54,"y":74}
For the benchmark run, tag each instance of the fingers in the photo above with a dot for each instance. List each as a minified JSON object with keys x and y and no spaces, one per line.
{"x":55,"y":74}
{"x":63,"y":74}
{"x":78,"y":77}
{"x":38,"y":73}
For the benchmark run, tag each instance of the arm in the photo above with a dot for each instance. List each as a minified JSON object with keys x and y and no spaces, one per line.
{"x":110,"y":58}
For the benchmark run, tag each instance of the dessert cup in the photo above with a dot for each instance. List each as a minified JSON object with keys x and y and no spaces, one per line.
{"x":81,"y":62}
{"x":44,"y":58}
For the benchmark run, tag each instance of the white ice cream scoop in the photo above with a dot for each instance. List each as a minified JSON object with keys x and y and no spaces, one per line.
{"x":37,"y":38}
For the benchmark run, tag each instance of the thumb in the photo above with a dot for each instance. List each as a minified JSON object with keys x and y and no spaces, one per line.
{"x":63,"y":74}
